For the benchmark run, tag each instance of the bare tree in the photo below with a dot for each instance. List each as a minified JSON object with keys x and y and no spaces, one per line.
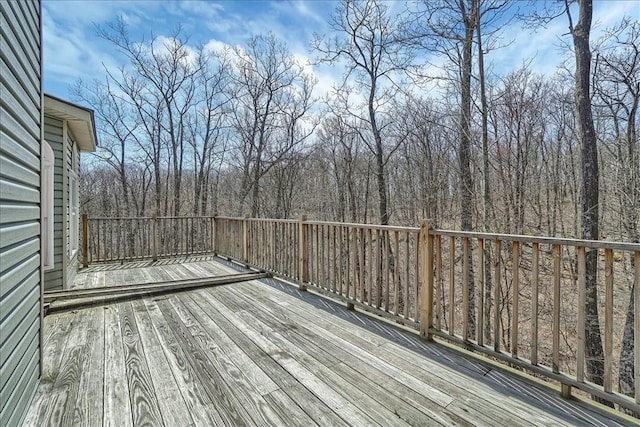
{"x":580,"y":33}
{"x":617,"y":86}
{"x":366,"y":41}
{"x":447,"y":27}
{"x":270,"y":100}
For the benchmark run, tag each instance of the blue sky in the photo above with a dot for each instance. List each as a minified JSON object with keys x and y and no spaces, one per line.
{"x":72,"y":49}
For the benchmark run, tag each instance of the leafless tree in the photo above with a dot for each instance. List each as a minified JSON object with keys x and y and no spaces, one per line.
{"x":617,"y":87}
{"x":366,"y":41}
{"x":271,"y":96}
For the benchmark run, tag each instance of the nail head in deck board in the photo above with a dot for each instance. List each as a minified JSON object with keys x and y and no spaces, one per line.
{"x":144,"y":404}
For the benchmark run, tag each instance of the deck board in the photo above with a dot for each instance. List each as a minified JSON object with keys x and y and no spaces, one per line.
{"x":117,"y":406}
{"x":262,"y":353}
{"x":144,"y":400}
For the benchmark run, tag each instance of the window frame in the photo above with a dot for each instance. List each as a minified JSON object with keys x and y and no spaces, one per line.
{"x":47,"y":164}
{"x":73,"y":217}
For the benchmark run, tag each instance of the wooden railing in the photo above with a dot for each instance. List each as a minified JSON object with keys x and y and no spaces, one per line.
{"x":129,"y":239}
{"x":519,"y":299}
{"x":533,"y":316}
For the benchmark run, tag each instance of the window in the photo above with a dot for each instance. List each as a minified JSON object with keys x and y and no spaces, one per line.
{"x":46,"y":205}
{"x":73,"y":213}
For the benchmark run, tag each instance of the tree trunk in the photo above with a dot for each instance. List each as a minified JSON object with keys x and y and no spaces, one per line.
{"x":589,"y":195}
{"x":464,"y":151}
{"x":486,"y":206}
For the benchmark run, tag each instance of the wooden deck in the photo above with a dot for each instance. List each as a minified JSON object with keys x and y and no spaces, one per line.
{"x":262,"y":353}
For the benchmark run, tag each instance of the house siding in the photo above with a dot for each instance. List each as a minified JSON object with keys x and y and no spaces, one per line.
{"x":73,"y":161}
{"x":20,"y":108}
{"x":53,"y":133}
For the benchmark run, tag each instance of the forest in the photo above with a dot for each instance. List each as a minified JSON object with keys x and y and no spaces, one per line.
{"x":236,"y":131}
{"x":207,"y":130}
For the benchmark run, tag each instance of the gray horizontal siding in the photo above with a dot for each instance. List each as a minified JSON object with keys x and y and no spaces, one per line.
{"x":53,"y":133}
{"x":20,"y":107}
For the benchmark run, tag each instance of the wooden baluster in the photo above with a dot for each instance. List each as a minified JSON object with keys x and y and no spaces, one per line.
{"x":396,"y":273}
{"x":608,"y":320}
{"x":555,"y":363}
{"x":480,"y":318}
{"x":407,"y":271}
{"x":497,"y":273}
{"x":154,"y":247}
{"x":636,"y":320}
{"x":378,"y":269}
{"x":351,"y":266}
{"x":362,"y":259}
{"x":515,"y":268}
{"x":340,"y":260}
{"x":302,"y":253}
{"x":418,"y":265}
{"x":582,"y":299}
{"x":452,"y":282}
{"x":370,"y":265}
{"x":465,"y":288}
{"x":85,"y":240}
{"x":334,"y":263}
{"x":354,"y":261}
{"x":98,"y":242}
{"x":535,"y":282}
{"x":386,"y":254}
{"x":438,"y":282}
{"x":323,"y":256}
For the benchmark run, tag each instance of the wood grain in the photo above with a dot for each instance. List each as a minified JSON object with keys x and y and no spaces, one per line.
{"x":144,"y":402}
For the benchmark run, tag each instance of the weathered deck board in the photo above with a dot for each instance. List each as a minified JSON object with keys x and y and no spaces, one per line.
{"x":250,"y":354}
{"x":202,"y":409}
{"x":143,"y":397}
{"x":117,"y":406}
{"x":304,"y":398}
{"x":170,"y":401}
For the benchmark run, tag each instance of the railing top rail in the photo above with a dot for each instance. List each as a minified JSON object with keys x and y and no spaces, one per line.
{"x":187,"y":217}
{"x":286,"y":221}
{"x":596,"y":244}
{"x":117,"y":218}
{"x":373,"y":226}
{"x":133,"y":218}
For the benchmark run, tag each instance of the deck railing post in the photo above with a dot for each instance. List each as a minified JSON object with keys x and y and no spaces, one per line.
{"x":303,"y":261}
{"x":245,"y":239}
{"x":426,"y":280}
{"x":85,"y":240}
{"x":154,"y":244}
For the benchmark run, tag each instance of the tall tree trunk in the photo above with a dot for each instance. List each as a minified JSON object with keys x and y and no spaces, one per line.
{"x":486,"y":184}
{"x":626,"y":367}
{"x":464,"y":150}
{"x":380,"y":175}
{"x":589,"y":195}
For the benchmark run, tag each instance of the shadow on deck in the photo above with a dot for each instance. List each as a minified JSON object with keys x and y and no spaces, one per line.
{"x":264,"y":353}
